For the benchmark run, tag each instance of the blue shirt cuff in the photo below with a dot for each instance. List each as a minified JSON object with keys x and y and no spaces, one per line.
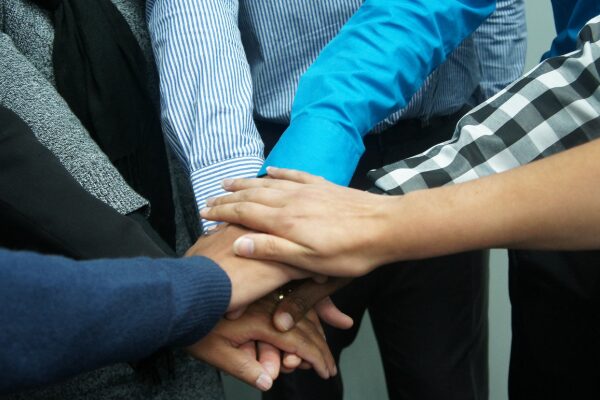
{"x":319,"y":147}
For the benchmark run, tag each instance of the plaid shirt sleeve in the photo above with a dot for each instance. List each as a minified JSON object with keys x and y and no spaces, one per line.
{"x":554,"y":107}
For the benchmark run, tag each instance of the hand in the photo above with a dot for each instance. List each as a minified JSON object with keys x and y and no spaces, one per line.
{"x":308,"y":222}
{"x":307,"y":295}
{"x":250,"y":279}
{"x":307,"y":299}
{"x":221,"y":347}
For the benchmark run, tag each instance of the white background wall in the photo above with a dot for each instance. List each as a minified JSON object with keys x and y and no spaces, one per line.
{"x":360,"y":365}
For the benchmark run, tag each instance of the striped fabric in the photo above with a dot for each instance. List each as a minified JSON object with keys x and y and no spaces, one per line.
{"x":500,"y":44}
{"x":554,"y":107}
{"x":224,"y":63}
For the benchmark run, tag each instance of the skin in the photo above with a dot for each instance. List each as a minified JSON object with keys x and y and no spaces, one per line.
{"x":251,"y":280}
{"x":306,"y":296}
{"x":223,"y":347}
{"x":332,"y":230}
{"x":324,"y":228}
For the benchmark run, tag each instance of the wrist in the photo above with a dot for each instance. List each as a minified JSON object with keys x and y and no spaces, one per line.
{"x":412,"y":227}
{"x":386,"y":232}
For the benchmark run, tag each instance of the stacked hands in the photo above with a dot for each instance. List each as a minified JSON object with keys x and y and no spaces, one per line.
{"x":268,"y":331}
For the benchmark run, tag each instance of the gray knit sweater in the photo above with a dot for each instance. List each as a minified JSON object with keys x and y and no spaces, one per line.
{"x":27,"y":88}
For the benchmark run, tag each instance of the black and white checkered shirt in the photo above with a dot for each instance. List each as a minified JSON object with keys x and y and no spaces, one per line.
{"x":554,"y":107}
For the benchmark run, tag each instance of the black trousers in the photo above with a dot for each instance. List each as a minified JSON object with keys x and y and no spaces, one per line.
{"x":555,"y":300}
{"x":429,"y":317}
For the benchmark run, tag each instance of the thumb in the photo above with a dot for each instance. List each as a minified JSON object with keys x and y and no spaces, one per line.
{"x":332,"y":315}
{"x":245,"y":368}
{"x":268,"y":247}
{"x":234,"y":361}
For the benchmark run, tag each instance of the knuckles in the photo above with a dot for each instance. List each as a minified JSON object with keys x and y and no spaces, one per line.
{"x":241,"y":367}
{"x":298,"y":306}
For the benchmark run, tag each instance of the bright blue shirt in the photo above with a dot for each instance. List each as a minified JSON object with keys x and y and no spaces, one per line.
{"x":225,"y":63}
{"x":374,"y":65}
{"x":351,"y":86}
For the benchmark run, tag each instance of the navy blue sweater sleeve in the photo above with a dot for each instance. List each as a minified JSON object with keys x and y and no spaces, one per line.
{"x":569,"y":18}
{"x":60,"y":317}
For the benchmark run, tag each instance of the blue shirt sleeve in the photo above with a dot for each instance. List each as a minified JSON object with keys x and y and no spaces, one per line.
{"x":569,"y":18}
{"x":61,"y":317}
{"x":377,"y":62}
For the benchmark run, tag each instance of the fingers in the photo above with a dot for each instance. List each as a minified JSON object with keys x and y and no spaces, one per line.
{"x":294,"y":175}
{"x":305,"y":341}
{"x":220,"y":352}
{"x":251,"y":215}
{"x":270,"y":358}
{"x":269,"y":247}
{"x":296,"y":304}
{"x":305,"y":365}
{"x":290,"y":362}
{"x":235,"y":185}
{"x":314,"y":318}
{"x":318,"y":340}
{"x":249,"y":348}
{"x":265,"y":196}
{"x":332,"y":315}
{"x":235,"y":314}
{"x":320,"y":278}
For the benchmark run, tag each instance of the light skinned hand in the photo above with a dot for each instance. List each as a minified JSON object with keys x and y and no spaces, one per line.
{"x":223,"y":347}
{"x":307,"y":222}
{"x":250,"y":279}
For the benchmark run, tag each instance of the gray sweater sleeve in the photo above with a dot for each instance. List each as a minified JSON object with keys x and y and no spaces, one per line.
{"x":25,"y":91}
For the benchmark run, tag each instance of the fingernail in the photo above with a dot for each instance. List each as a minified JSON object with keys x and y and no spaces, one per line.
{"x":243,"y":246}
{"x":264,"y":382}
{"x":285,"y":321}
{"x":204,"y":211}
{"x":335,"y":371}
{"x":272,"y":169}
{"x":270,"y":369}
{"x":227,"y":183}
{"x":291,"y":361}
{"x":210,"y":202}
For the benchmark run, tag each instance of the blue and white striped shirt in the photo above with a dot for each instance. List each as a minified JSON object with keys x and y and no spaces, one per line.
{"x":224,"y":63}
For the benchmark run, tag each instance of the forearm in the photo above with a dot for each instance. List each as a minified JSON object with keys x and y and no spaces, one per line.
{"x":206,"y":91}
{"x":62,"y":317}
{"x":514,"y":127}
{"x":549,"y":204}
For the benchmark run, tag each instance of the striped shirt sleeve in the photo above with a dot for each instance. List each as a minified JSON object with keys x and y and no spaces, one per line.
{"x":206,"y":92}
{"x":501,"y":46}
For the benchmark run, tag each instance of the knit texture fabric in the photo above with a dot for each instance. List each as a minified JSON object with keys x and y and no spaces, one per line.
{"x":27,"y":88}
